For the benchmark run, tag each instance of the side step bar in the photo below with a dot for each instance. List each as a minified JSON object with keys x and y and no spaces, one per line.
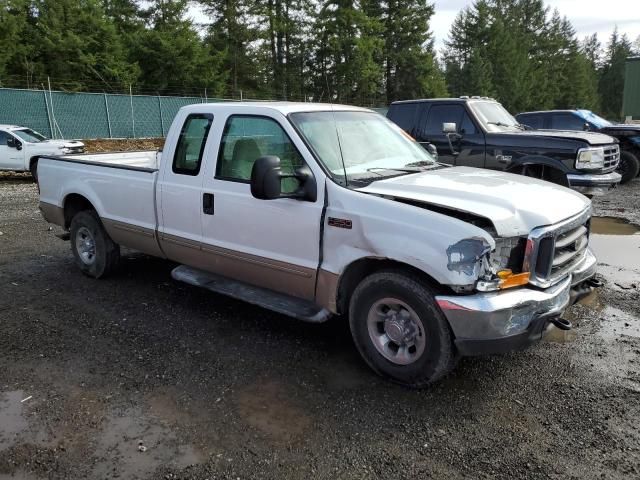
{"x":278,"y":302}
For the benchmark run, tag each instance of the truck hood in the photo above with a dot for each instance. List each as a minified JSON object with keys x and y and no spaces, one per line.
{"x":592,"y":138}
{"x":513,"y":203}
{"x":624,"y":129}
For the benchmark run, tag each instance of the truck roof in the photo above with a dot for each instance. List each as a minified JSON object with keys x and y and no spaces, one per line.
{"x":11,"y":127}
{"x":448,"y":100}
{"x":282,"y":107}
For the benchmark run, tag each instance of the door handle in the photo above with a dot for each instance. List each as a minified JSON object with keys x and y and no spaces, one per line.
{"x":207,"y":203}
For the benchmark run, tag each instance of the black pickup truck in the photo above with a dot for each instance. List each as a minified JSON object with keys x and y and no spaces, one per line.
{"x":479,"y":132}
{"x":627,"y":134}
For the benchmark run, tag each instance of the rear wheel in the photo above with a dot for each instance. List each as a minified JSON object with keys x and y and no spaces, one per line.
{"x":399,"y":330}
{"x":95,"y":253}
{"x":628,"y":167}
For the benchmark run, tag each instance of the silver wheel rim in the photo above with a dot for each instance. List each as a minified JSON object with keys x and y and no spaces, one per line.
{"x":85,"y":246}
{"x":396,"y":331}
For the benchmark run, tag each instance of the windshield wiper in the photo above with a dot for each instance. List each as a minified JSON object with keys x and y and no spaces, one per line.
{"x":422,"y":163}
{"x":395,"y":169}
{"x":500,"y":124}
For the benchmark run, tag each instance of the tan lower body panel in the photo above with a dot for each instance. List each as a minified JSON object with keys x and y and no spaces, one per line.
{"x":327,"y":290}
{"x":52,"y":213}
{"x":138,"y":238}
{"x":263,"y":272}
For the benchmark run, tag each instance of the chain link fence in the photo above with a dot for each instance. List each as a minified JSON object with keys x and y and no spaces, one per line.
{"x":58,"y":114}
{"x":92,"y":115}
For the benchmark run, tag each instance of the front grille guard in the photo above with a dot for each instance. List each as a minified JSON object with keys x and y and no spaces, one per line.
{"x":541,"y":235}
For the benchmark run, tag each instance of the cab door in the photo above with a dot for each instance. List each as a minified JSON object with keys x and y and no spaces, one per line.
{"x":10,"y":157}
{"x":180,"y":188}
{"x":273,"y":244}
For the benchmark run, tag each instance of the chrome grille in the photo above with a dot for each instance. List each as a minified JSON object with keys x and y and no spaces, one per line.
{"x":611,"y":156}
{"x":556,"y":250}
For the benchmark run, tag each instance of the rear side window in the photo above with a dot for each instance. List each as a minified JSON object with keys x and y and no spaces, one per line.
{"x":3,"y":138}
{"x":533,"y":121}
{"x":440,"y":114}
{"x":566,"y":121}
{"x":404,"y":115}
{"x":193,"y":137}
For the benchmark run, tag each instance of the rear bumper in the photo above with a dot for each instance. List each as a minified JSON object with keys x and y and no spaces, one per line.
{"x":498,"y":322}
{"x":594,"y":184}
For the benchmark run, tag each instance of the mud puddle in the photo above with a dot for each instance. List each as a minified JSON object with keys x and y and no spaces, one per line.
{"x":268,"y":407}
{"x":132,"y":445}
{"x":616,"y":244}
{"x":12,"y":420}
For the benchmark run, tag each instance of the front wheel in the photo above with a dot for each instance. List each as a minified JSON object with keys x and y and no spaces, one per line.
{"x":95,"y":253}
{"x":628,"y":167}
{"x":399,"y":330}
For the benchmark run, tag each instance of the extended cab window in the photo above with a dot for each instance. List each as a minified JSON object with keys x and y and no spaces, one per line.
{"x":403,"y":115}
{"x":566,"y":121}
{"x":440,"y":114}
{"x":193,"y":137}
{"x":3,"y":138}
{"x":247,"y":138}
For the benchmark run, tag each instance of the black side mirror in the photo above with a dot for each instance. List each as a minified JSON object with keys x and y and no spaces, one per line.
{"x":266,"y":181}
{"x":586,"y":127}
{"x":13,"y":143}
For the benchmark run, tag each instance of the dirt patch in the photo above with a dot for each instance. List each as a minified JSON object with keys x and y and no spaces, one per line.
{"x":122,"y":145}
{"x":216,"y":388}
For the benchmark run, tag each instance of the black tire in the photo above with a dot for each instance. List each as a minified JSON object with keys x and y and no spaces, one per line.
{"x":86,"y":229}
{"x":629,"y":166}
{"x":33,"y":168}
{"x":438,"y":357}
{"x":543,"y":172}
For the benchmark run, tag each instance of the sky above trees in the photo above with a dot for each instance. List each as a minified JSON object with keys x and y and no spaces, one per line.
{"x":586,"y":16}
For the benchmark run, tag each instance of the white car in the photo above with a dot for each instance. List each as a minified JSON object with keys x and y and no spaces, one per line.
{"x":20,"y":148}
{"x":316,"y":210}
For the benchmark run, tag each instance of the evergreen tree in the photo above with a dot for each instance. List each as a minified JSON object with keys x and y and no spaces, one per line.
{"x":611,"y":83}
{"x":171,"y":56}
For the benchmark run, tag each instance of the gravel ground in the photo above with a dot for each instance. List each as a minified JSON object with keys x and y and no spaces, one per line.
{"x":138,"y":376}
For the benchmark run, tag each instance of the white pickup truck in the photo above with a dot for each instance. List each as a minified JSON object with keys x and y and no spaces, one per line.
{"x":317,"y":210}
{"x":20,"y":147}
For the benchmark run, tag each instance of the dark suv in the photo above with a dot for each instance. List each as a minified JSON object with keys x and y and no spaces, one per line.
{"x":479,"y":132}
{"x":628,"y":135}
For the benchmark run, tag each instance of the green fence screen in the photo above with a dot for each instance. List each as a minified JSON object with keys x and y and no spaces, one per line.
{"x":91,"y":115}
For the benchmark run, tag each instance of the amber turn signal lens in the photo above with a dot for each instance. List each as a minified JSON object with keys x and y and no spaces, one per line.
{"x":504,"y":274}
{"x":513,"y":280}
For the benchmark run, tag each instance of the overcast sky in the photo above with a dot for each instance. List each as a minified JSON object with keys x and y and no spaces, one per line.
{"x":587,"y":16}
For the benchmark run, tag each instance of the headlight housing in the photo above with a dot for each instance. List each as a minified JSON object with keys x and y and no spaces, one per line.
{"x":590,"y":158}
{"x":505,"y":264}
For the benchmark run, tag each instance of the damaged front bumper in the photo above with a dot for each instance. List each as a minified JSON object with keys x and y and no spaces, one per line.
{"x":498,"y":322}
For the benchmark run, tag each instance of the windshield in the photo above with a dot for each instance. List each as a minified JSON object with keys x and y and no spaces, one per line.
{"x":494,"y":117}
{"x":361,"y":146}
{"x":597,"y":120}
{"x":29,"y":135}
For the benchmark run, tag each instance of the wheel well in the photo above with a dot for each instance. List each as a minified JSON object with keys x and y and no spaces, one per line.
{"x":358,"y":270}
{"x":543,"y":171}
{"x":74,"y":204}
{"x":32,"y":161}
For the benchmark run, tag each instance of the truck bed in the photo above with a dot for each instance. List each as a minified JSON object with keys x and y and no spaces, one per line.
{"x":120,"y":186}
{"x":147,"y":160}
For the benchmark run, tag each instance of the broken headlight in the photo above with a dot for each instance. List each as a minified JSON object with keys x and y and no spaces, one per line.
{"x":505,"y":265}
